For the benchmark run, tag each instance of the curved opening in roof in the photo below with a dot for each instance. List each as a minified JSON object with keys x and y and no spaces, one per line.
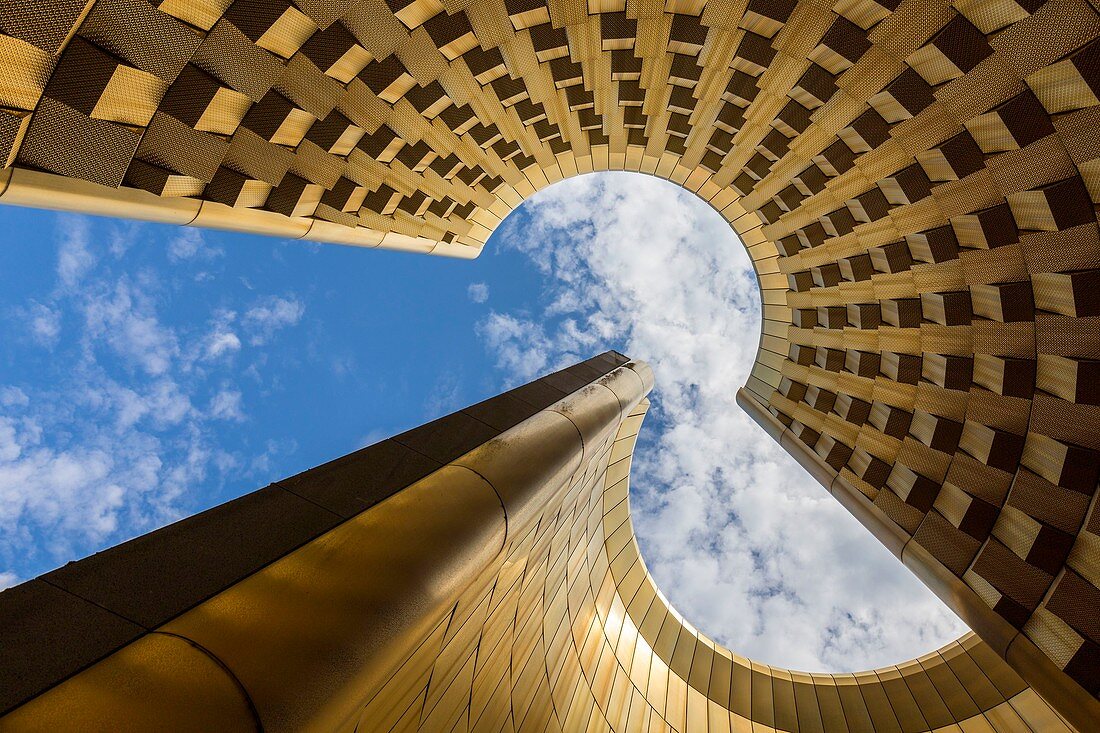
{"x":738,"y":536}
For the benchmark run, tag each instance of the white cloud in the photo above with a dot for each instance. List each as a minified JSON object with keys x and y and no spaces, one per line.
{"x":222,"y":342}
{"x":70,"y":490}
{"x":13,"y":397}
{"x":44,"y":322}
{"x":373,"y":436}
{"x":92,"y":459}
{"x":162,"y":403}
{"x":126,"y":440}
{"x":521,"y":346}
{"x":73,"y":258}
{"x":7,"y":580}
{"x":226,"y":405}
{"x":478,"y":292}
{"x":446,"y":395}
{"x":740,"y":538}
{"x":190,"y":244}
{"x":261,"y":465}
{"x":271,"y":314}
{"x":125,"y":318}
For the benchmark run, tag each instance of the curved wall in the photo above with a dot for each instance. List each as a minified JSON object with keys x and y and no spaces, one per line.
{"x":501,"y":591}
{"x":914,"y":180}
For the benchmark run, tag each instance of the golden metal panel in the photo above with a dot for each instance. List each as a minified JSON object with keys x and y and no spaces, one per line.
{"x":445,"y":566}
{"x":190,"y":688}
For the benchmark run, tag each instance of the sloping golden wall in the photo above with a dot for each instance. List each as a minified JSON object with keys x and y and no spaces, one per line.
{"x":504,"y":591}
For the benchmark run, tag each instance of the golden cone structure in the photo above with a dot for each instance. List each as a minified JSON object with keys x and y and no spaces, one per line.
{"x":477,"y":573}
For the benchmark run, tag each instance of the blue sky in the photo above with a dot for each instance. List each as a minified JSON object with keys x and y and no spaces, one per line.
{"x":231,"y":360}
{"x":152,"y":371}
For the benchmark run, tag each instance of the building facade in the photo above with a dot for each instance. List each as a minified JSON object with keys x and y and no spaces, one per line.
{"x":477,"y":573}
{"x":915,"y":181}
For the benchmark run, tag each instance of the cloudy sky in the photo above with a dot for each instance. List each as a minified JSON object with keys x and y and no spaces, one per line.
{"x":150,"y":372}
